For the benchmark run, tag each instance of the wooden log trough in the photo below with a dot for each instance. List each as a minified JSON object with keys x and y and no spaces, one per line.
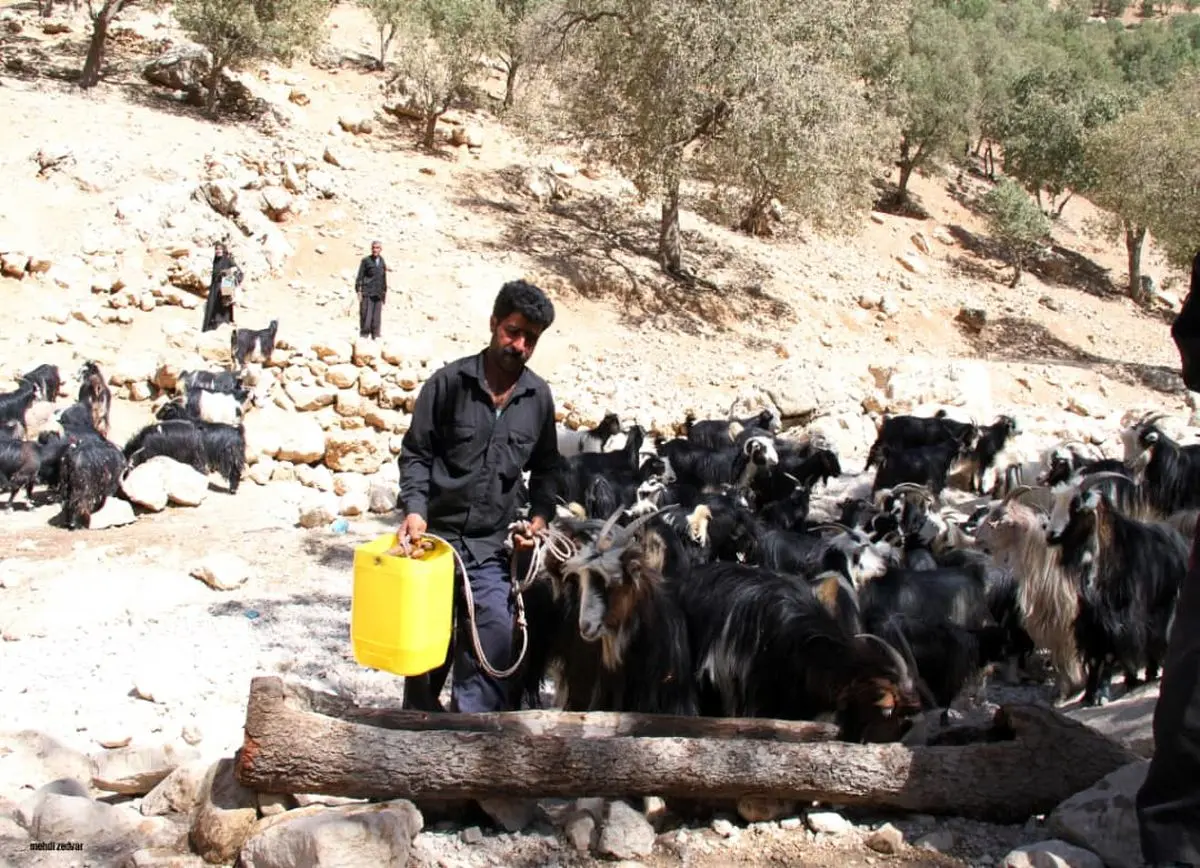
{"x":301,"y":741}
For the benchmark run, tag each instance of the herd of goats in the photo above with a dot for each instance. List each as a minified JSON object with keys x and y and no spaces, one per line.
{"x":76,"y":463}
{"x":735,"y":572}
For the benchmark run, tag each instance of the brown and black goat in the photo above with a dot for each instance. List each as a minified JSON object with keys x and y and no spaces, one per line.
{"x":767,"y":645}
{"x":610,"y":623}
{"x":95,"y":395}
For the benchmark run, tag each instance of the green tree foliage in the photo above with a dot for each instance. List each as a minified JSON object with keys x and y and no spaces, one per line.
{"x":935,"y":90}
{"x":238,"y":31}
{"x":1017,"y":223}
{"x":762,"y":96}
{"x":1054,"y":110}
{"x":443,"y":44}
{"x":1147,"y":173}
{"x":515,"y":41}
{"x":389,"y":16}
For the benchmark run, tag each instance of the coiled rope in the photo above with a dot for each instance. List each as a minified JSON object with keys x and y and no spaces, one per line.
{"x":550,"y":541}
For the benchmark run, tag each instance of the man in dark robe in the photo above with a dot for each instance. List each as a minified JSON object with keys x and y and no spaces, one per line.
{"x":1185,"y":331}
{"x":218,"y":309}
{"x":371,"y":286}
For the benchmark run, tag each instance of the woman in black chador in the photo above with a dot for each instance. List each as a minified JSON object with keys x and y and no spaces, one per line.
{"x":222,"y":289}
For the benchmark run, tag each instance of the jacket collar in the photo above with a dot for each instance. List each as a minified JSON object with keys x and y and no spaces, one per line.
{"x":525,"y":383}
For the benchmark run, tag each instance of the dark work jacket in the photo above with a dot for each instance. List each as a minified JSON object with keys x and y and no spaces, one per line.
{"x":461,"y":462}
{"x":1185,"y":331}
{"x":372,"y":278}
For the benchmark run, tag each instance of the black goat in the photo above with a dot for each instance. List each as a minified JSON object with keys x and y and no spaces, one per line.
{"x":90,"y":473}
{"x":1171,"y":479}
{"x":732,"y":465}
{"x":14,"y":405}
{"x":177,"y":439}
{"x":766,"y":646}
{"x":1130,"y":575}
{"x":722,"y":433}
{"x":20,"y":467}
{"x":912,"y":432}
{"x":48,"y":378}
{"x":990,"y":443}
{"x":251,"y":343}
{"x":923,"y":465}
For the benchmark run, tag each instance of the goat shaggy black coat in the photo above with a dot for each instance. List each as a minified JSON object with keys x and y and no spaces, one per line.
{"x":1131,"y":573}
{"x":765,"y":646}
{"x":90,"y":473}
{"x":14,"y":405}
{"x":177,"y":439}
{"x":47,"y":378}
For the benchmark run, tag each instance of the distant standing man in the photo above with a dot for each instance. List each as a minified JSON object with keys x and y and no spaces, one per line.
{"x":371,"y":286}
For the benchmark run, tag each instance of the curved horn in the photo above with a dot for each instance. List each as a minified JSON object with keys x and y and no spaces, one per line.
{"x":794,"y":480}
{"x":915,"y":488}
{"x":633,"y":527}
{"x":1150,"y":418}
{"x":603,"y":540}
{"x":1094,"y":478}
{"x":832,"y":525}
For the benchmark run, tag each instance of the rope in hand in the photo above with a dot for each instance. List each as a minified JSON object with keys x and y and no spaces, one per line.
{"x":552,"y":541}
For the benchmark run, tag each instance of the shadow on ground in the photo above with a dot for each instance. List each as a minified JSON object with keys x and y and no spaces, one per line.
{"x":605,"y":251}
{"x":1022,"y":340}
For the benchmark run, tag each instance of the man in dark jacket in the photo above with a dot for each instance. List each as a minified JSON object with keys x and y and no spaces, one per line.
{"x":1185,"y":331}
{"x":1168,"y":804}
{"x":478,"y":423}
{"x":371,"y":286}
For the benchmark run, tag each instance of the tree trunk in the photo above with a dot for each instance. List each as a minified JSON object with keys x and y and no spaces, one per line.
{"x":90,"y":76}
{"x":289,"y":747}
{"x":213,"y":102}
{"x":429,"y":139}
{"x":510,"y":83}
{"x":1135,"y":237}
{"x":1058,"y":211}
{"x":670,"y":245}
{"x":1018,"y":267}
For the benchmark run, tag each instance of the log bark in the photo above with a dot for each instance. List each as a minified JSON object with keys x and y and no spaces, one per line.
{"x":299,"y":741}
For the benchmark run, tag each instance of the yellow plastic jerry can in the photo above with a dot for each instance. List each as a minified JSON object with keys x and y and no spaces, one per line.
{"x":401,"y":607}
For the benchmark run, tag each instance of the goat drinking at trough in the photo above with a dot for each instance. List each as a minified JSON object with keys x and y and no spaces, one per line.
{"x":766,"y":646}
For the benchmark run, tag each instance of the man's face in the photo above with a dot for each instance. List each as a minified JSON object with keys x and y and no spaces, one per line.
{"x":376,"y":249}
{"x":514,"y":339}
{"x":219,"y":250}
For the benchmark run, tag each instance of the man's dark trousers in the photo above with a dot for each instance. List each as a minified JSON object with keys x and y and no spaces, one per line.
{"x":495,"y":610}
{"x":370,"y":316}
{"x":1168,"y":804}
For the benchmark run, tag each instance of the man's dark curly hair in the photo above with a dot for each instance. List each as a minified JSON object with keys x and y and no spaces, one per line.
{"x":520,"y":296}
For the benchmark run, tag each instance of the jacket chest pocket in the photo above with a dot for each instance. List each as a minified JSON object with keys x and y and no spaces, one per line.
{"x":464,"y":451}
{"x":519,"y":446}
